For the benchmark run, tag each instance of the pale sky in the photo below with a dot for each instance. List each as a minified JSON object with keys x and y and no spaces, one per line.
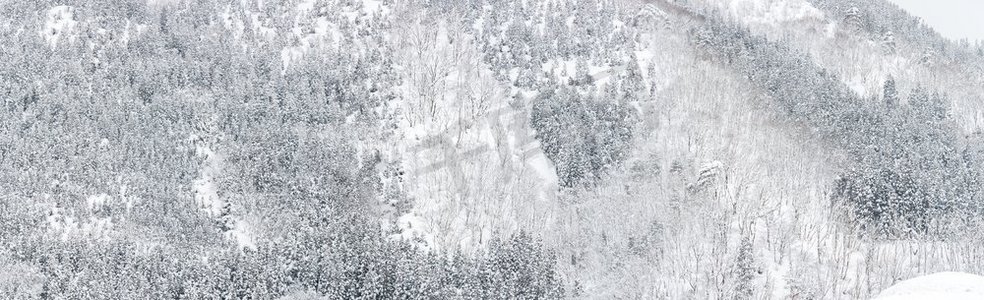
{"x":955,"y":19}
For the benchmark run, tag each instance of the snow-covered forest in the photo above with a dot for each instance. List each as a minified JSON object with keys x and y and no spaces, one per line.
{"x":485,"y":149}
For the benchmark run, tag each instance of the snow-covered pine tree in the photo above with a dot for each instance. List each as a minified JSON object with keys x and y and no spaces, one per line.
{"x":853,"y":18}
{"x":888,"y":43}
{"x":745,"y":269}
{"x":889,"y":93}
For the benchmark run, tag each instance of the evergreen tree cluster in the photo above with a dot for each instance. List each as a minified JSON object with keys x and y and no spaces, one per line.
{"x":333,"y":265}
{"x":131,"y":118}
{"x":583,"y":136}
{"x":909,"y":175}
{"x":526,"y":35}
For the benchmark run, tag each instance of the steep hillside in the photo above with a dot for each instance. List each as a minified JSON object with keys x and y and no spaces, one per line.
{"x":497,"y":149}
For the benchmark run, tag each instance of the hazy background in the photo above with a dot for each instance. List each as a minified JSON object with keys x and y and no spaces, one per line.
{"x":955,"y":19}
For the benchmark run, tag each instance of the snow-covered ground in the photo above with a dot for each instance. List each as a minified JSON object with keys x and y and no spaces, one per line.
{"x":476,"y":171}
{"x":208,"y":199}
{"x":59,"y":24}
{"x":939,"y":286}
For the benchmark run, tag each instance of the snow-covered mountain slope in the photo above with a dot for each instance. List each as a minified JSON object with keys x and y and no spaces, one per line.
{"x":800,"y":245}
{"x":658,"y":149}
{"x":715,"y":153}
{"x":865,"y":51}
{"x":721,"y":162}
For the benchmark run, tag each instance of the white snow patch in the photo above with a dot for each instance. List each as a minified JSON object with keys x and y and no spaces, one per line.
{"x":127,"y":201}
{"x":414,"y":228}
{"x":547,"y":174}
{"x":831,"y":30}
{"x":208,"y":199}
{"x":69,"y":227}
{"x":60,"y":22}
{"x":231,"y":22}
{"x":241,"y":233}
{"x":206,"y":193}
{"x":374,"y":6}
{"x":869,"y":80}
{"x":946,"y":285}
{"x":291,"y":54}
{"x":96,"y":202}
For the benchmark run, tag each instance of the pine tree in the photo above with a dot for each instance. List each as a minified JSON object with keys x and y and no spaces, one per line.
{"x":853,"y":18}
{"x":928,"y":56}
{"x":745,"y":269}
{"x":888,"y":43}
{"x":582,"y":75}
{"x":890,"y":93}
